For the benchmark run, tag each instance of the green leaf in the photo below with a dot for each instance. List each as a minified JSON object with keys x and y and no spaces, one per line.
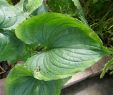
{"x":108,"y":66}
{"x":42,"y":9}
{"x":11,"y":48}
{"x":31,"y":5}
{"x":7,"y":16}
{"x":11,"y":16}
{"x":21,"y":82}
{"x":64,"y":45}
{"x":62,"y":6}
{"x":28,"y":6}
{"x":80,"y":11}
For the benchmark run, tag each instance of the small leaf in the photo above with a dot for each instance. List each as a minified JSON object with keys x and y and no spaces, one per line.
{"x":67,"y":45}
{"x":40,"y":10}
{"x":31,"y":5}
{"x":80,"y":11}
{"x":21,"y":82}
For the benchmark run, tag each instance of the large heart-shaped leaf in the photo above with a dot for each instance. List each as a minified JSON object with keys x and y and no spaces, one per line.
{"x":10,"y":47}
{"x":64,"y":45}
{"x":21,"y":82}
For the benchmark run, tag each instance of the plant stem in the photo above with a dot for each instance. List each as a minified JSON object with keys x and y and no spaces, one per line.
{"x":106,"y":68}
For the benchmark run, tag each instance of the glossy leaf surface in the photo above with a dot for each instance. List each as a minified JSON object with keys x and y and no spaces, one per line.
{"x":64,"y":45}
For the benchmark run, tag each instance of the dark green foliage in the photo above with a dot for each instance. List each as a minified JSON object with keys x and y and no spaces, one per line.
{"x":62,"y":6}
{"x":99,"y":15}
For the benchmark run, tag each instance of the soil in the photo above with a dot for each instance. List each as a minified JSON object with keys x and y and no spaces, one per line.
{"x":4,"y":69}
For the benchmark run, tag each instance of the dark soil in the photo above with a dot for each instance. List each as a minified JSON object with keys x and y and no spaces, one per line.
{"x":4,"y":69}
{"x":14,"y":2}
